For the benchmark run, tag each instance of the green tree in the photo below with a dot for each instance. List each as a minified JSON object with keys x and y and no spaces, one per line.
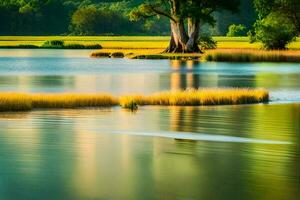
{"x":236,"y":30}
{"x":278,"y":23}
{"x":273,"y":32}
{"x":194,"y":12}
{"x":85,"y":20}
{"x":287,"y":9}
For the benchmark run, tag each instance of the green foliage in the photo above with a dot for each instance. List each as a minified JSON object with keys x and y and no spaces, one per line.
{"x":54,"y":17}
{"x":81,"y":46}
{"x":94,"y":21}
{"x":273,"y":33}
{"x":236,"y":30}
{"x":54,"y":43}
{"x":289,"y":10}
{"x":246,"y":16}
{"x":207,"y":42}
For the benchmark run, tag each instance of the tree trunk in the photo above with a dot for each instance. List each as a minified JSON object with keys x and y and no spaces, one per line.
{"x":180,"y":41}
{"x":193,"y":33}
{"x":179,"y":38}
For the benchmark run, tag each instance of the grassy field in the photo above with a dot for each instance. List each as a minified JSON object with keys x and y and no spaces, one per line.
{"x":129,"y":42}
{"x":251,"y":55}
{"x":192,"y":97}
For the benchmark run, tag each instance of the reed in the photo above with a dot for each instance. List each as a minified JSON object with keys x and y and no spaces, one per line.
{"x":15,"y":102}
{"x":72,"y":100}
{"x":191,"y":97}
{"x":25,"y":102}
{"x":253,"y":56}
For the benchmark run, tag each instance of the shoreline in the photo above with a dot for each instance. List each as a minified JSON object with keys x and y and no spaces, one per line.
{"x":215,"y":55}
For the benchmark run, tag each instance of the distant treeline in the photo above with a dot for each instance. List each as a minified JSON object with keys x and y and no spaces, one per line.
{"x":95,"y":17}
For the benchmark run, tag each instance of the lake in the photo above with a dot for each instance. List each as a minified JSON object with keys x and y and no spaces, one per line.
{"x":207,"y":152}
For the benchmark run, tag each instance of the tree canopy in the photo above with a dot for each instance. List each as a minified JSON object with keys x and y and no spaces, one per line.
{"x":178,"y":12}
{"x":57,"y":17}
{"x":278,"y":22}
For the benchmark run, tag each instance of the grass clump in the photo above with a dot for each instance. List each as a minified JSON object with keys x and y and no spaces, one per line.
{"x":252,"y":56}
{"x":196,"y":97}
{"x":117,"y":55}
{"x":15,"y":102}
{"x":72,"y":100}
{"x":26,"y":102}
{"x":60,"y":44}
{"x":53,"y":44}
{"x":191,"y":97}
{"x":82,"y":46}
{"x":101,"y":54}
{"x":129,"y":102}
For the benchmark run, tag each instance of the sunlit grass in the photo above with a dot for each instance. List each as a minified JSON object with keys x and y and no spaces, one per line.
{"x":15,"y":102}
{"x":248,"y":55}
{"x":129,"y":42}
{"x":72,"y":100}
{"x":195,"y":97}
{"x":22,"y":102}
{"x":191,"y":97}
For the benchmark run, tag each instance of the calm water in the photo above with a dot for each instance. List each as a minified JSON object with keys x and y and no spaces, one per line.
{"x":217,"y":152}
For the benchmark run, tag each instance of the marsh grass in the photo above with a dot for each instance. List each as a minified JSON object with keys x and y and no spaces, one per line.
{"x":23,"y":102}
{"x":191,"y":97}
{"x":15,"y":102}
{"x":154,"y":54}
{"x":60,"y":44}
{"x":252,"y":56}
{"x":218,"y":55}
{"x":196,"y":97}
{"x":72,"y":100}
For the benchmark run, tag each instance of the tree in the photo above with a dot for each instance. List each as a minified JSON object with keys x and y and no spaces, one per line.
{"x":273,"y":32}
{"x":287,"y":9}
{"x":179,"y":12}
{"x":278,"y":22}
{"x":236,"y":30}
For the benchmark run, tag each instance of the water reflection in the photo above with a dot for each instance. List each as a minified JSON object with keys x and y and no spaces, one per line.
{"x":74,"y":154}
{"x":119,"y":76}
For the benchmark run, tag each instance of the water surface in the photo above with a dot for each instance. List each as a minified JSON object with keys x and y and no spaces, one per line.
{"x":73,"y":71}
{"x":208,"y":152}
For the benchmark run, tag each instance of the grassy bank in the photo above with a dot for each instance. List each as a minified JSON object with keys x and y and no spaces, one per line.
{"x":234,"y":49}
{"x":218,"y":55}
{"x":246,"y":55}
{"x":192,"y":97}
{"x":128,"y":42}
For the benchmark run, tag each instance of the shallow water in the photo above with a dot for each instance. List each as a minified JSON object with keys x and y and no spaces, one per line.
{"x":73,"y":71}
{"x":214,"y":152}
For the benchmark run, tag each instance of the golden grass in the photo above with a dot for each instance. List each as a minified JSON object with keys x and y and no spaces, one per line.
{"x":15,"y":102}
{"x":145,"y":54}
{"x":72,"y":100}
{"x":231,"y":55}
{"x":252,"y":55}
{"x":22,"y":102}
{"x":191,"y":97}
